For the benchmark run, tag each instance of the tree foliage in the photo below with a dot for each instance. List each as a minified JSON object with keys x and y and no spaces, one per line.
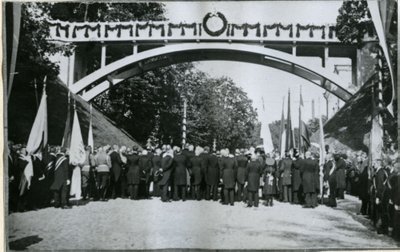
{"x":353,"y":22}
{"x":151,"y":106}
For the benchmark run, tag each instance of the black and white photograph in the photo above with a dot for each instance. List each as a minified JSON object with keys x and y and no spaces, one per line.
{"x":201,"y":125}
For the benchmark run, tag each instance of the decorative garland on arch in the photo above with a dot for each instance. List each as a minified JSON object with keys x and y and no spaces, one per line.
{"x":118,"y":27}
{"x":182,"y":26}
{"x":278,"y":26}
{"x":311,"y":28}
{"x":331,"y":29}
{"x":87,"y":28}
{"x":151,"y":27}
{"x":59,"y":27}
{"x":245,"y":27}
{"x":218,"y":32}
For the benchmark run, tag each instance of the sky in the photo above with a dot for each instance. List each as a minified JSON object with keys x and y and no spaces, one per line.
{"x":261,"y":81}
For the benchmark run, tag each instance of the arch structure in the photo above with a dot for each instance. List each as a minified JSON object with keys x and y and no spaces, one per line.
{"x":114,"y":73}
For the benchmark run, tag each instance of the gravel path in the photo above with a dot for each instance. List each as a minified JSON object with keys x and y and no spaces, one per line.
{"x":151,"y":224}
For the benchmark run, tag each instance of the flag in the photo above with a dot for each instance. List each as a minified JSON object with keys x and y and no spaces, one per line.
{"x":38,"y":137}
{"x":321,"y":141}
{"x":289,"y":131}
{"x":37,"y":142}
{"x":66,"y":141}
{"x":266,"y":133}
{"x":376,"y":135}
{"x":90,"y":134}
{"x":13,"y":21}
{"x":77,"y":156}
{"x":304,"y":133}
{"x":321,"y":153}
{"x":77,"y":149}
{"x":373,"y":7}
{"x":282,"y":133}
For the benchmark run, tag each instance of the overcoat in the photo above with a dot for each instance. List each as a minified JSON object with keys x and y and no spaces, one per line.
{"x":167,"y":166}
{"x":197,"y":174}
{"x":241,"y":168}
{"x":395,"y":184}
{"x":212,"y":173}
{"x":309,"y":172}
{"x":145,"y":167}
{"x":379,"y":181}
{"x":180,"y":169}
{"x":253,"y":174}
{"x":133,"y":174}
{"x":363,"y":183}
{"x":61,"y":172}
{"x":116,"y":164}
{"x":286,"y":171}
{"x":296,"y":176}
{"x":228,"y":167}
{"x":204,"y":163}
{"x":341,"y":173}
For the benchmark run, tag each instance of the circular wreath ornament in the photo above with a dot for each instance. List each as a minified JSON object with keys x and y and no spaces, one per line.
{"x":217,"y":32}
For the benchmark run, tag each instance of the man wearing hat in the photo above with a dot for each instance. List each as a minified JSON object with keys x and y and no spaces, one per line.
{"x":166,"y":169}
{"x":145,"y":170}
{"x":308,"y":169}
{"x":212,"y":177}
{"x":156,"y":165}
{"x":241,"y":161}
{"x":62,"y":174}
{"x":179,"y":175}
{"x":285,"y":171}
{"x":340,"y":175}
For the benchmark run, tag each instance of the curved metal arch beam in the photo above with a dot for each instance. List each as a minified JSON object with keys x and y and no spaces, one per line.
{"x":169,"y":54}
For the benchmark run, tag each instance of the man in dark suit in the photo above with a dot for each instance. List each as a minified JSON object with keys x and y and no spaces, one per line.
{"x":297,"y":187}
{"x":188,"y":152}
{"x":156,"y":165}
{"x":180,"y":175}
{"x":116,"y":169}
{"x":212,"y":177}
{"x":228,"y":168}
{"x":62,"y":175}
{"x":340,"y":175}
{"x":145,"y":170}
{"x":204,"y":163}
{"x":379,"y":180}
{"x":308,"y":170}
{"x":241,"y":161}
{"x":285,"y":170}
{"x":166,"y":169}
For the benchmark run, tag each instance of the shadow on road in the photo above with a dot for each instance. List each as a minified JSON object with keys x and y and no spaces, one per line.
{"x":24,"y":243}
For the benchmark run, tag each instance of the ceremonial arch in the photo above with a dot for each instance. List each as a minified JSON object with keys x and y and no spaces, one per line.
{"x":273,"y":45}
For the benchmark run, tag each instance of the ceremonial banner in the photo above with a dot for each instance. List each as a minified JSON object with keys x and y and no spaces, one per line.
{"x":37,"y":142}
{"x":76,"y":157}
{"x":376,"y":139}
{"x":16,"y":20}
{"x":90,"y":134}
{"x":266,"y":133}
{"x":38,"y":135}
{"x":289,"y":131}
{"x":304,"y":134}
{"x":282,"y":133}
{"x":77,"y":150}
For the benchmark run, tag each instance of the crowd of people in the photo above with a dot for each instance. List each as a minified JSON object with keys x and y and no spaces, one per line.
{"x":201,"y":174}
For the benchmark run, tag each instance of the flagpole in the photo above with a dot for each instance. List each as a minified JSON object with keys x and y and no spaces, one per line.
{"x":322,"y":153}
{"x":300,"y":125}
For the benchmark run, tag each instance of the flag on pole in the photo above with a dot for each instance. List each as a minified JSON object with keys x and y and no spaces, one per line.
{"x":282,"y":133}
{"x":376,"y":136}
{"x":66,"y":141}
{"x":77,"y":149}
{"x":266,"y":133}
{"x":15,"y":19}
{"x":304,"y":133}
{"x":90,"y":135}
{"x":37,"y":141}
{"x":321,"y":154}
{"x":76,"y":157}
{"x":289,"y":131}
